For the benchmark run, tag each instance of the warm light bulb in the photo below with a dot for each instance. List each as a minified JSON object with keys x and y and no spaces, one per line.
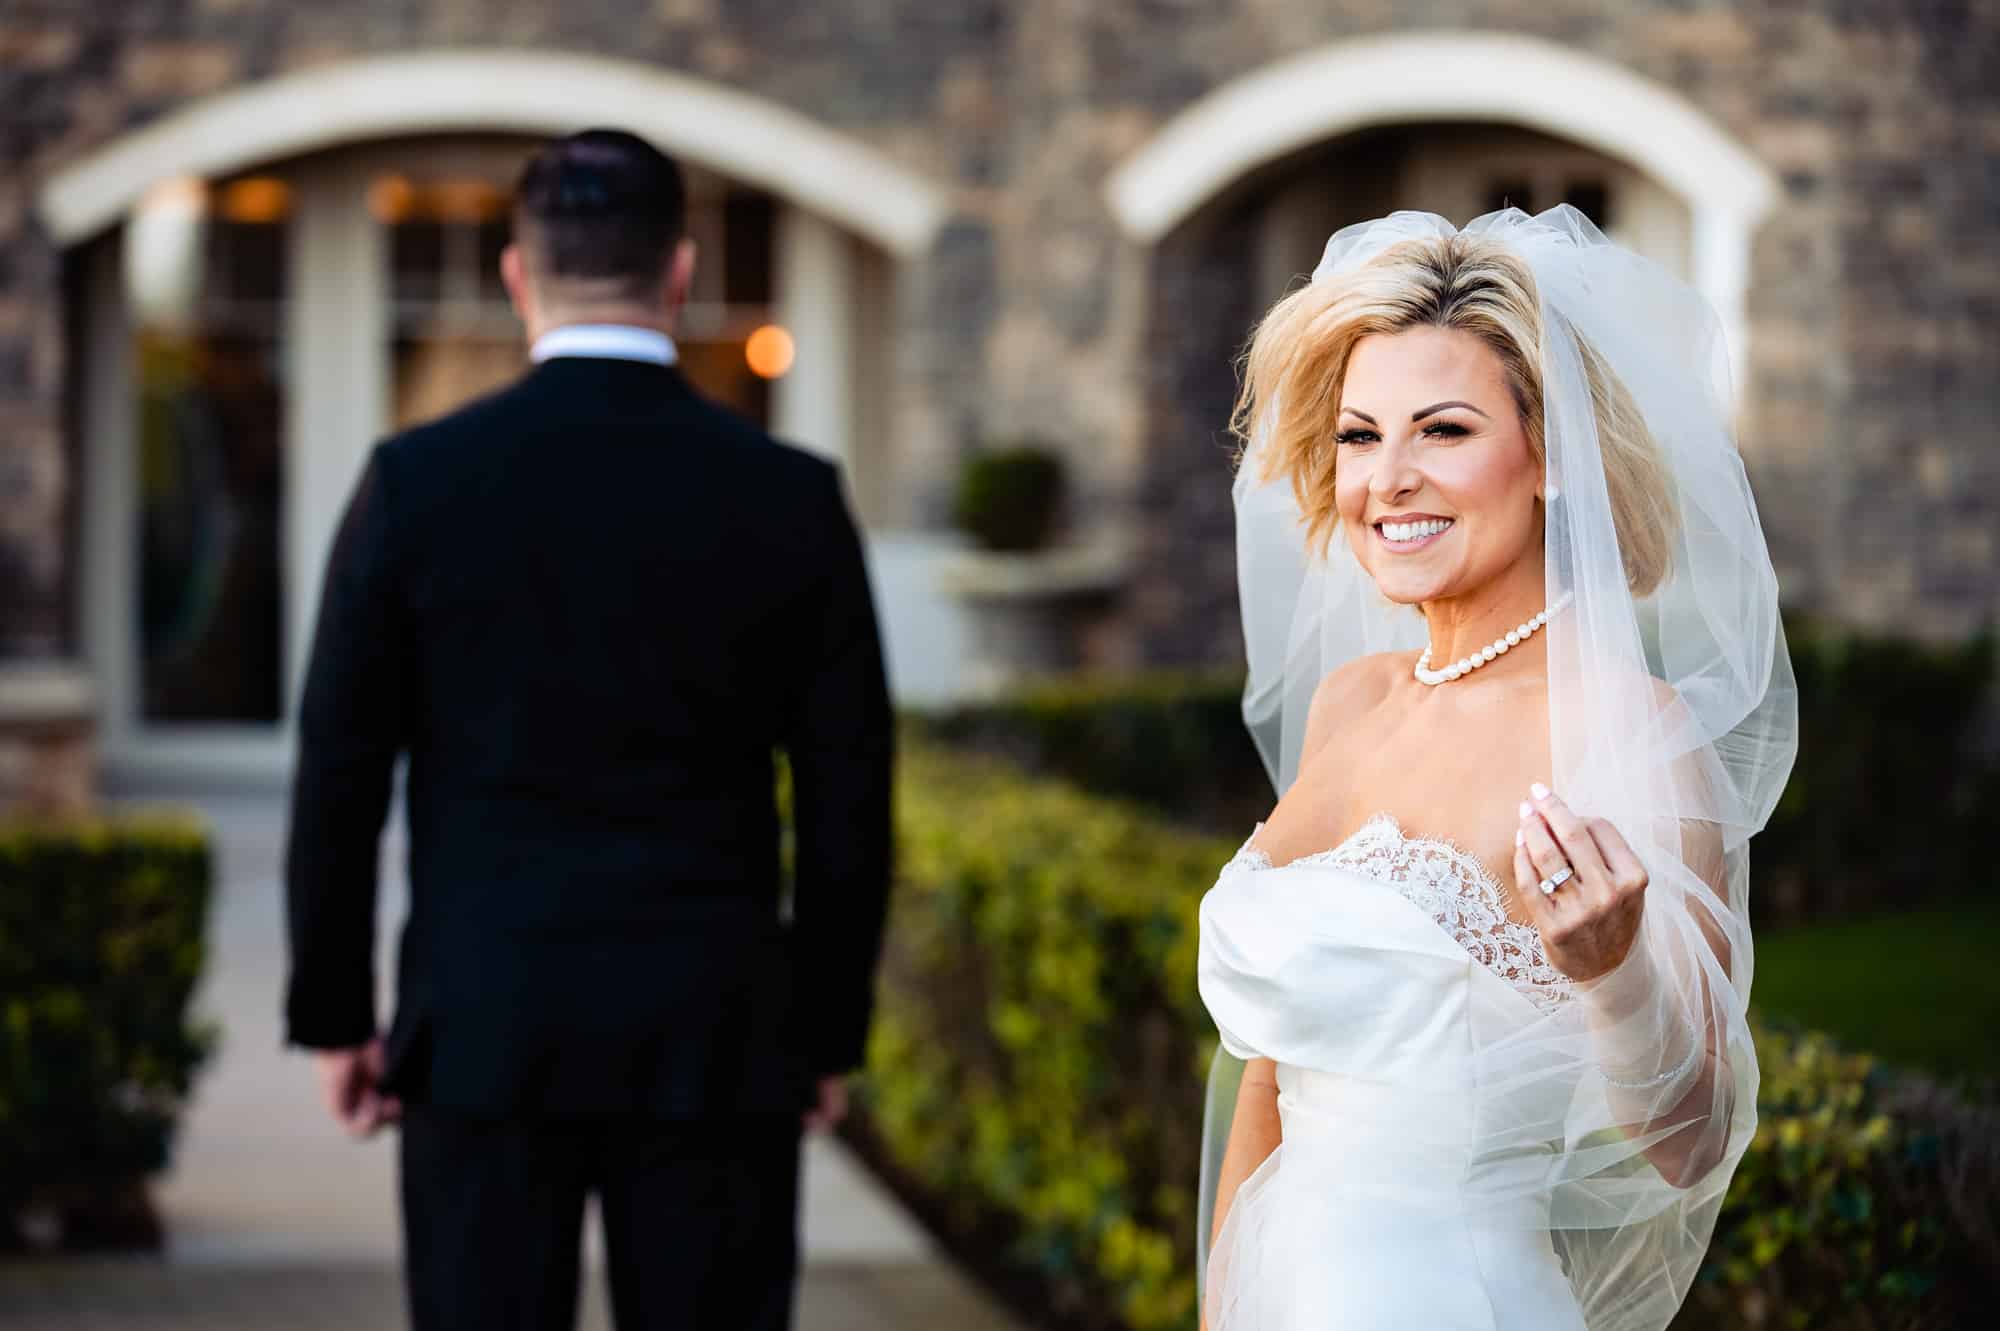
{"x":256,"y":199}
{"x":390,"y":198}
{"x":769,"y":352}
{"x":466,"y":200}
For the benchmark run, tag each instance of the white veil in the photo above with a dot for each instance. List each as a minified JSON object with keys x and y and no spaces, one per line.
{"x":1672,"y":715}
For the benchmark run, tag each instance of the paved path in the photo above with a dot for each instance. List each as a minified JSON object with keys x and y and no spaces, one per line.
{"x":277,"y":1221}
{"x":134,"y":1295}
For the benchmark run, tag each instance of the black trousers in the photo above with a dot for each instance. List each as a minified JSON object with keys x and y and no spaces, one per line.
{"x":700,"y":1220}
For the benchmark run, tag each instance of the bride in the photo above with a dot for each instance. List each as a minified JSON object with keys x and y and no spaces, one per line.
{"x":1517,"y":671}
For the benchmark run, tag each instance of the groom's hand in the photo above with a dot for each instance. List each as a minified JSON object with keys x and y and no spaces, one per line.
{"x":351,"y":1081}
{"x":832,"y":1105}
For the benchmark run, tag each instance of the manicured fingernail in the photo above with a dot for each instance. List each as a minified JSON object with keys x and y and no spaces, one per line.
{"x":1539,"y":791}
{"x":1519,"y":836}
{"x":1524,"y":809}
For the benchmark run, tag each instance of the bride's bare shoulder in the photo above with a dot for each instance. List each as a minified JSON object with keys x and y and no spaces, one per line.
{"x":1365,"y":679}
{"x":1348,"y":690}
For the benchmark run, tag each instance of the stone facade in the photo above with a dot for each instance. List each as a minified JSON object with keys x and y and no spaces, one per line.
{"x":1874,"y":348}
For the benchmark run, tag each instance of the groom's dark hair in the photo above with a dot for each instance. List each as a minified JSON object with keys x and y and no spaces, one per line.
{"x":603,"y":207}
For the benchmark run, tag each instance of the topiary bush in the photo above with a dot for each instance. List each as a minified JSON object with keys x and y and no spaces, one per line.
{"x":1008,"y":498}
{"x":1173,"y":740}
{"x":102,"y":928}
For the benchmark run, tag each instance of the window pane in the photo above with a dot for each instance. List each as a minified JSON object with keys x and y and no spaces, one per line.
{"x":416,"y":252}
{"x":718,"y":366}
{"x":493,"y":238}
{"x":206,"y":279}
{"x":1592,"y":199}
{"x":1510,"y":194}
{"x":747,"y":227}
{"x":453,"y":335}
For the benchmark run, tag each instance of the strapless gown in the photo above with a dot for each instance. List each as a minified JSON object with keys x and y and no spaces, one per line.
{"x":1368,"y":972}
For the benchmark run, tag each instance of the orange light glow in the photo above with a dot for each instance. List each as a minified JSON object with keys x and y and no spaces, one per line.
{"x":466,"y":200}
{"x":390,"y":198}
{"x":769,"y":351}
{"x":256,"y":199}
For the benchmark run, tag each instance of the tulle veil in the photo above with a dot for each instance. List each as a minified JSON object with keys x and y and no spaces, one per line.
{"x":1672,"y":714}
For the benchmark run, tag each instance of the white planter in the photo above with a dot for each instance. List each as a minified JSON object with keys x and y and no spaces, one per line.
{"x":1029,"y":609}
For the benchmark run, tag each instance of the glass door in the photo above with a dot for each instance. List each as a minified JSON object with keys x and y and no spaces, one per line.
{"x":247,"y":340}
{"x":206,"y":281}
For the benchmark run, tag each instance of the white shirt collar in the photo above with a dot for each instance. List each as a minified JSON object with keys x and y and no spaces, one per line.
{"x":606,"y":342}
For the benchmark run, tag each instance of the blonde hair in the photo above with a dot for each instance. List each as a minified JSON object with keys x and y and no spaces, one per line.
{"x":1301,"y":350}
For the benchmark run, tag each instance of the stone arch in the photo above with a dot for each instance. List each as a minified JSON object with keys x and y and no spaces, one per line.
{"x":749,"y":138}
{"x":1350,"y":85}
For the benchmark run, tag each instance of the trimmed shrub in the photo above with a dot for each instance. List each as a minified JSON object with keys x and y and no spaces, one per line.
{"x":1038,"y":1055}
{"x":1173,"y":740}
{"x":1008,"y":499}
{"x":1037,"y":1064}
{"x":102,"y":928}
{"x":1887,"y":739}
{"x":1865,"y":1201}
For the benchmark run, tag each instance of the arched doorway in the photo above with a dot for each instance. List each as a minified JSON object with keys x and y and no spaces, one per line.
{"x":274,"y":279}
{"x":1236,"y":196}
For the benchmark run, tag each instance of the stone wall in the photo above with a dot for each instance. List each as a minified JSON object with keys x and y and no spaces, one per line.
{"x":1873,"y":360}
{"x":1870,"y":400}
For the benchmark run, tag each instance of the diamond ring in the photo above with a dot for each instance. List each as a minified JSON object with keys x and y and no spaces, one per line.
{"x":1555,"y":880}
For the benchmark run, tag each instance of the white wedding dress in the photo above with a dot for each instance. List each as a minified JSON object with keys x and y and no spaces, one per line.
{"x":1370,"y":973}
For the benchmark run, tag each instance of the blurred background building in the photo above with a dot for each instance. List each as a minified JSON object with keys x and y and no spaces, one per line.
{"x":241,"y":240}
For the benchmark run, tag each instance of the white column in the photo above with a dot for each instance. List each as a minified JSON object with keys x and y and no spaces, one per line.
{"x":336,"y":391}
{"x":813,"y":404}
{"x":109,"y":557}
{"x":1721,"y":263}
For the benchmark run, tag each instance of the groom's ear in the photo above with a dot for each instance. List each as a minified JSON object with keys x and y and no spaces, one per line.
{"x":514,"y":276}
{"x":680,"y":273}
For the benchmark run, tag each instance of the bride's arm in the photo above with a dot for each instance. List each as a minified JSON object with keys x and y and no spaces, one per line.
{"x":1651,"y":1009}
{"x":1633,"y":1032}
{"x":1253,"y":1134}
{"x":1253,"y":1130}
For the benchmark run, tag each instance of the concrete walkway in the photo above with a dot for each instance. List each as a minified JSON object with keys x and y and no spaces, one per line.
{"x":278,"y":1221}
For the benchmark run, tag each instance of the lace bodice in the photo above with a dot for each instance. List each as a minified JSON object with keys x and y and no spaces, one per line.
{"x":1453,"y":887}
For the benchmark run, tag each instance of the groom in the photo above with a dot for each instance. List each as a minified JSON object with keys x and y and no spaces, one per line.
{"x":589,"y":608}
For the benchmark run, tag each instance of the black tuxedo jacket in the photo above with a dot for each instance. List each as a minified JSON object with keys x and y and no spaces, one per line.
{"x":588,"y":608}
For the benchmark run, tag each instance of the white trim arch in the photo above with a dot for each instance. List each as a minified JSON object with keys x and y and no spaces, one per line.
{"x":742,"y":136}
{"x":845,"y":214}
{"x":1448,"y":75}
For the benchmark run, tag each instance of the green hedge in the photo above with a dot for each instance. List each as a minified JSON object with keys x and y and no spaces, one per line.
{"x":1865,"y":1201}
{"x":1886,"y":741}
{"x":1173,"y":740}
{"x":1037,"y":1059}
{"x":102,"y":929}
{"x":1037,"y":1065}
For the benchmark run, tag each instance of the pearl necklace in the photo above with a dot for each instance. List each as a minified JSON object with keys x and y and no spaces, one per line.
{"x":1465,"y":665}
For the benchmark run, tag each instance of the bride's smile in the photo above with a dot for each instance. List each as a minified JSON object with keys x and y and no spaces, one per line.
{"x":1407,"y":533}
{"x":1435,"y":480}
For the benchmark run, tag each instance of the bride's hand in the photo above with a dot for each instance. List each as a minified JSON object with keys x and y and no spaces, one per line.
{"x":1589,"y":921}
